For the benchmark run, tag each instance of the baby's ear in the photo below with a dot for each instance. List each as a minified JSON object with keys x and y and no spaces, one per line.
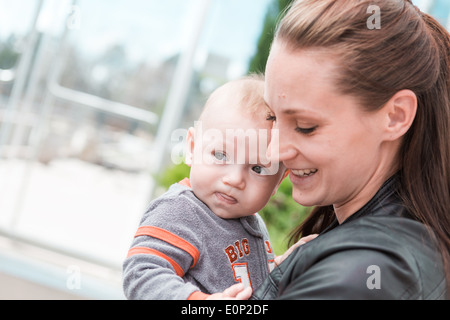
{"x":189,"y":147}
{"x":285,"y":174}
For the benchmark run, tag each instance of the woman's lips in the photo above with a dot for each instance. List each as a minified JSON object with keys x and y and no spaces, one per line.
{"x":303,"y":172}
{"x":302,"y":177}
{"x":226,"y":198}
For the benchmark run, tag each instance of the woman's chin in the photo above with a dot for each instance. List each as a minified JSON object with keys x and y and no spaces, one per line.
{"x":303,"y":198}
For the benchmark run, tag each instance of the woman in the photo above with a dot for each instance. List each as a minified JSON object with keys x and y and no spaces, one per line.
{"x":364,"y":118}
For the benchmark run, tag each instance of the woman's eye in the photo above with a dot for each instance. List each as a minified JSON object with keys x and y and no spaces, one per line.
{"x":306,"y":130}
{"x":219,"y":155}
{"x":271,"y":117}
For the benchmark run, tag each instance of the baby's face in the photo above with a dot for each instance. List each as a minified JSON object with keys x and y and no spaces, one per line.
{"x":230,"y":171}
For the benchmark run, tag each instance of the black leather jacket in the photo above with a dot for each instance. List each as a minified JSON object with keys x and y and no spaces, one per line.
{"x":377,"y":253}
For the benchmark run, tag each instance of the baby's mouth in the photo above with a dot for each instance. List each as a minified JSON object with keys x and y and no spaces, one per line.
{"x":304,"y":172}
{"x":226,"y":198}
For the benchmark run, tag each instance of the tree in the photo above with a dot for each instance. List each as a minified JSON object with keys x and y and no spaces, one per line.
{"x":282,"y":213}
{"x":8,"y":54}
{"x":258,"y":62}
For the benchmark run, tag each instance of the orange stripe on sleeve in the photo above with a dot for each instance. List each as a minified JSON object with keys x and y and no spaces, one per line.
{"x":185,"y":182}
{"x":171,"y":238}
{"x":143,"y":250}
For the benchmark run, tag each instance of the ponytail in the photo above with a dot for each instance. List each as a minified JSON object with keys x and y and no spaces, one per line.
{"x":425,"y":174}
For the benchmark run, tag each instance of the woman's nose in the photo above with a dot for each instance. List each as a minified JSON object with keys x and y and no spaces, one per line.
{"x":234,"y":177}
{"x":279,"y":149}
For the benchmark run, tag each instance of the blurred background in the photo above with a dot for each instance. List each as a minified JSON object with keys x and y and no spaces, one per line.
{"x":94,"y":98}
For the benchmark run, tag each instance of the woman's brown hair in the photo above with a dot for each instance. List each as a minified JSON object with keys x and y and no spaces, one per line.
{"x":407,"y":50}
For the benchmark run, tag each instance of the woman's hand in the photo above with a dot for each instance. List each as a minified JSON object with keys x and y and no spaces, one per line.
{"x":235,"y":292}
{"x":280,"y":259}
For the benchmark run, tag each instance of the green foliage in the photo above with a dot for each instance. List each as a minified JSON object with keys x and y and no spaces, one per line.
{"x":8,"y":58}
{"x":258,"y":62}
{"x":172,"y":175}
{"x":281,"y":215}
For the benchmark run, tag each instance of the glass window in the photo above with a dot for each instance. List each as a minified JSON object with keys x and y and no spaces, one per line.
{"x":76,"y":159}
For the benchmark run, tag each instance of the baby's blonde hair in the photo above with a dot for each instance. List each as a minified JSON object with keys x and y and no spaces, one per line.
{"x":248,"y":96}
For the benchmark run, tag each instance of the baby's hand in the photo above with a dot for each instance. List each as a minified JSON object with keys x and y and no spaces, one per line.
{"x":280,"y":259}
{"x":235,"y":292}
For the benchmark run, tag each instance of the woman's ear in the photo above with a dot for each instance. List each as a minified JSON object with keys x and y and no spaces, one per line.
{"x":190,"y":146}
{"x":400,"y":112}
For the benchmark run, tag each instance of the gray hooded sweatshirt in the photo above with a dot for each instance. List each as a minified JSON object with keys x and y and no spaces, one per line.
{"x":182,"y":249}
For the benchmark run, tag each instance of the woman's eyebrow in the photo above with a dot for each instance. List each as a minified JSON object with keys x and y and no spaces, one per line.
{"x":302,"y":112}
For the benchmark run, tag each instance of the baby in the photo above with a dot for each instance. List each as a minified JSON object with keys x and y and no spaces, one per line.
{"x":204,"y":235}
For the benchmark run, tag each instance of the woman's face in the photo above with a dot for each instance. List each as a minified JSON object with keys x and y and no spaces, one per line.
{"x":333,"y":148}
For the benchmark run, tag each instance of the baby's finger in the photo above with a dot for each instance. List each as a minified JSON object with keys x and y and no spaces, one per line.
{"x":234,"y":290}
{"x":244,"y":294}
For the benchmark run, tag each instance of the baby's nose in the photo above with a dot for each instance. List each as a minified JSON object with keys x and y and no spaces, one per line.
{"x":234,"y":177}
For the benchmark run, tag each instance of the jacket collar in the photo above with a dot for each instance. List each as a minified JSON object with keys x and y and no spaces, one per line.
{"x":381,"y":204}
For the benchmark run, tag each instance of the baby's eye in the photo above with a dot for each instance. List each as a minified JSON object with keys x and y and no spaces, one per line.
{"x":260,"y":170}
{"x":219,"y":155}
